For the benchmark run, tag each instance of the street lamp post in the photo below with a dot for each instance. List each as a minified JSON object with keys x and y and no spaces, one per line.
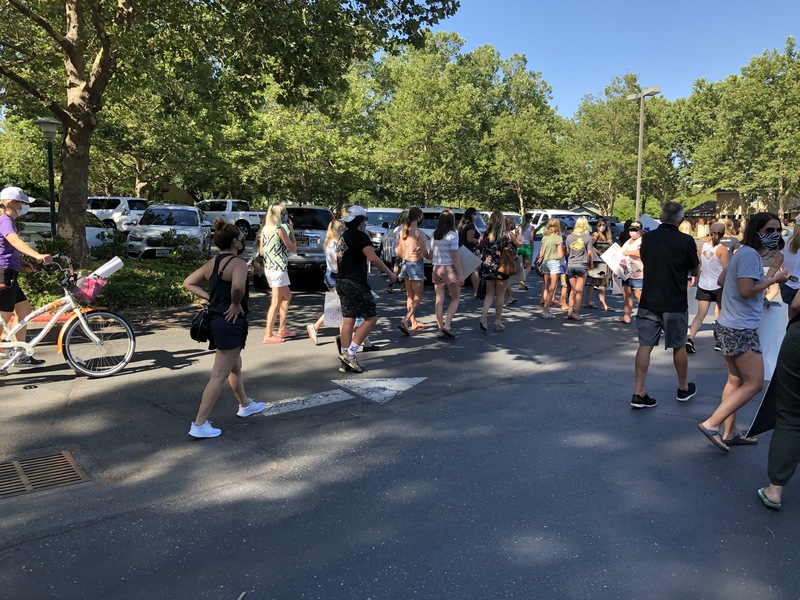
{"x":651,"y":91}
{"x":49,"y":127}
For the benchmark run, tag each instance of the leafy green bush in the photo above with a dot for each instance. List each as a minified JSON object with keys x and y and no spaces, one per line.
{"x":114,"y":243}
{"x":182,"y":247}
{"x":139,"y":284}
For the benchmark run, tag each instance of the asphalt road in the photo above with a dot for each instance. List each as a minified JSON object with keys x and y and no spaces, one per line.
{"x":513,"y":468}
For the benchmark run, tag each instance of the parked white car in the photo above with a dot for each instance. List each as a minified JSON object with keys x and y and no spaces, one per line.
{"x":237,"y":212}
{"x":119,"y":212}
{"x":145,"y":238}
{"x":34,"y":226}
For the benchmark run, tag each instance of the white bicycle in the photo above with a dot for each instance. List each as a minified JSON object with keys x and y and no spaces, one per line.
{"x":96,"y":343}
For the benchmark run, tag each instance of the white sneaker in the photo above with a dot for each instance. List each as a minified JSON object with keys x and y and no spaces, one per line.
{"x":548,"y":315}
{"x":251,"y":409}
{"x":312,"y":333}
{"x":204,"y":431}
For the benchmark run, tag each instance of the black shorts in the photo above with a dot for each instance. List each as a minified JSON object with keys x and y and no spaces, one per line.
{"x":709,"y":295}
{"x":12,"y":294}
{"x":356,"y":299}
{"x":227,"y":336}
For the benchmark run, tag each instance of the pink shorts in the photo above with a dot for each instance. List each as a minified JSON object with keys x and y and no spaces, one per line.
{"x":445,"y":274}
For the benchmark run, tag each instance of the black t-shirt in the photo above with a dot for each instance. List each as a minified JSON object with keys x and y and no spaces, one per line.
{"x":350,"y":255}
{"x":462,"y":236}
{"x":668,"y":256}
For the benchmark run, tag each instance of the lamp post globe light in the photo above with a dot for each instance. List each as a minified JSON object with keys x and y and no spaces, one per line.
{"x":49,"y":127}
{"x":651,"y":91}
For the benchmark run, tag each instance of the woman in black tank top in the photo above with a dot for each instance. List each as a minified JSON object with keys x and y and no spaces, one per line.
{"x":227,"y":304}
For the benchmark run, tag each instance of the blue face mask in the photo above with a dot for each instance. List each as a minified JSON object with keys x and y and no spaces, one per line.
{"x":285,"y":218}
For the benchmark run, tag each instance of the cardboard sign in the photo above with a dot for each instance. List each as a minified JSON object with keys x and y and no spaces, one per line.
{"x":771,"y":332}
{"x":469,"y":261}
{"x":648,"y":223}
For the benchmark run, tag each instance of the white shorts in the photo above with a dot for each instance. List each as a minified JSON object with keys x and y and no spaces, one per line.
{"x":277,"y":279}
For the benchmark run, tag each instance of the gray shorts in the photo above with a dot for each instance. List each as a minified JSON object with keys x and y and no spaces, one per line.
{"x":650,"y":324}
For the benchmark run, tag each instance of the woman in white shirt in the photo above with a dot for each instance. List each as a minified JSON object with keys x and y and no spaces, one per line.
{"x":788,"y":259}
{"x":713,"y":260}
{"x":335,"y":230}
{"x":447,"y":272}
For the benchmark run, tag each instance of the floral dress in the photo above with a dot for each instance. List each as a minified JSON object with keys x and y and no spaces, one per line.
{"x":490,"y":253}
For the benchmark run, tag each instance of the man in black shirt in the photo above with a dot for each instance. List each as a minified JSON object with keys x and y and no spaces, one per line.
{"x":668,"y":257}
{"x":352,"y":253}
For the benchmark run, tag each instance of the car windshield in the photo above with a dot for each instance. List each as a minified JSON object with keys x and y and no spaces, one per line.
{"x":166,"y":216}
{"x":379,"y":217}
{"x":93,"y":221}
{"x":310,"y":218}
{"x":138,"y":204}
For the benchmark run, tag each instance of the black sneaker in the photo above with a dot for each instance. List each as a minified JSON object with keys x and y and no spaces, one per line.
{"x":643,"y":401}
{"x":29,"y":361}
{"x":690,"y":346}
{"x":370,"y":348}
{"x":717,"y":348}
{"x":684,"y":395}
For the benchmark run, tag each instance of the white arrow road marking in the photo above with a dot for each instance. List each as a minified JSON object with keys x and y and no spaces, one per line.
{"x":292,"y":404}
{"x":379,"y":390}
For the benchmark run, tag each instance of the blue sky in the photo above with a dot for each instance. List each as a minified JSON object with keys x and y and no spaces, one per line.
{"x":580,"y":45}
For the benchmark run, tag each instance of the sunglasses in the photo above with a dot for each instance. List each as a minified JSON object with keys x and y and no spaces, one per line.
{"x":633,"y":229}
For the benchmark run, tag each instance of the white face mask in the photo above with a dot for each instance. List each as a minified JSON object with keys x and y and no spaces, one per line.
{"x":23,"y":209}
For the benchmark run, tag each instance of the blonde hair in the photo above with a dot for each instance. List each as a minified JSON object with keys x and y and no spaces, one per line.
{"x":334,"y":228}
{"x":496,"y":226}
{"x":729,"y":226}
{"x":273,"y":218}
{"x":794,"y":240}
{"x":581,"y":226}
{"x":553,"y":227}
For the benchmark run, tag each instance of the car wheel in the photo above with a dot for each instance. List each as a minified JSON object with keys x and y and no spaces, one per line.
{"x":110,"y":223}
{"x":244,"y":227}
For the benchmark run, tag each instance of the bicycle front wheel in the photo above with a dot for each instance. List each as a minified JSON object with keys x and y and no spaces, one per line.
{"x":104,"y":358}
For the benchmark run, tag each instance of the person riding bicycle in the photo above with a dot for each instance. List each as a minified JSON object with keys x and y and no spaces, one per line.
{"x":13,"y":204}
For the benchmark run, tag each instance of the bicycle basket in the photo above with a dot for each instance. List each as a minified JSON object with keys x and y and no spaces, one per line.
{"x":86,"y":288}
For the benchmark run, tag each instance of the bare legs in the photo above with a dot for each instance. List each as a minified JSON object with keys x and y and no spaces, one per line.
{"x":227,"y":366}
{"x":454,"y":289}
{"x":575,"y":298}
{"x":414,"y":291}
{"x":697,"y":322}
{"x":549,"y":290}
{"x":627,"y":297}
{"x":349,"y":338}
{"x":495,"y":292}
{"x":279,"y":306}
{"x":642,"y":364}
{"x":21,"y":310}
{"x":745,"y":380}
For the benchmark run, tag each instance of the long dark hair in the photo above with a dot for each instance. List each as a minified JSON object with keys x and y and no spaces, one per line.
{"x":754,"y":225}
{"x":446,"y":224}
{"x":469,"y":216}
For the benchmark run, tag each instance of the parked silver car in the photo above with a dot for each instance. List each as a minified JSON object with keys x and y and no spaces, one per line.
{"x":310,"y":224}
{"x":34,"y":226}
{"x":145,"y":239}
{"x":378,"y":222}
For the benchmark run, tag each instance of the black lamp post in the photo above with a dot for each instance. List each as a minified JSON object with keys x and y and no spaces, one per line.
{"x":49,"y":127}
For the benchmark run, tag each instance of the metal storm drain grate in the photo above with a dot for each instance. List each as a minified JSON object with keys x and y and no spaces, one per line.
{"x":40,"y":473}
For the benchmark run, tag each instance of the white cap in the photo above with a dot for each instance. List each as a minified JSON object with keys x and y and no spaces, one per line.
{"x":14,"y":193}
{"x":353,"y":212}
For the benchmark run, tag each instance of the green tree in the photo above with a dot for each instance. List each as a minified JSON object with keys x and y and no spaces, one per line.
{"x":62,"y":56}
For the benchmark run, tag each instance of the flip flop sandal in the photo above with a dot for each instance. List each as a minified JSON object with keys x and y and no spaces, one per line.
{"x":275,"y":339}
{"x":404,"y":328}
{"x":447,"y":333}
{"x":419,"y":326}
{"x":714,"y":437}
{"x":609,"y":309}
{"x":512,"y":301}
{"x":767,"y":502}
{"x":740,"y":440}
{"x":287,"y":333}
{"x":622,"y":320}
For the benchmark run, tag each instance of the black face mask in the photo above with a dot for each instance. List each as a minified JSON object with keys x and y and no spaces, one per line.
{"x":240,"y":250}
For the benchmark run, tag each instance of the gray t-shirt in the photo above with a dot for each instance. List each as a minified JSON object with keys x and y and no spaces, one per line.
{"x":738,"y":312}
{"x":579,"y":247}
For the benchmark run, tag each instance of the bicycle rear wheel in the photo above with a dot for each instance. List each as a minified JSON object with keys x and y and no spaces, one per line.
{"x":103,"y":359}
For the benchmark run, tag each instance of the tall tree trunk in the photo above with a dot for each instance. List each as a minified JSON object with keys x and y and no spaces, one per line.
{"x":75,"y":189}
{"x":521,"y":201}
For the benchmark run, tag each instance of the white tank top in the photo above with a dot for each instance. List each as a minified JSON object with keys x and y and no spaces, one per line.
{"x":710,"y":267}
{"x":791,"y":262}
{"x":526,"y":234}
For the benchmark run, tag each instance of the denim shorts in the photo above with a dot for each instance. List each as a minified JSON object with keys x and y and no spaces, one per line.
{"x":576,"y":271}
{"x":330,"y":279}
{"x":414,"y":271}
{"x":634,"y":284}
{"x":551,"y":266}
